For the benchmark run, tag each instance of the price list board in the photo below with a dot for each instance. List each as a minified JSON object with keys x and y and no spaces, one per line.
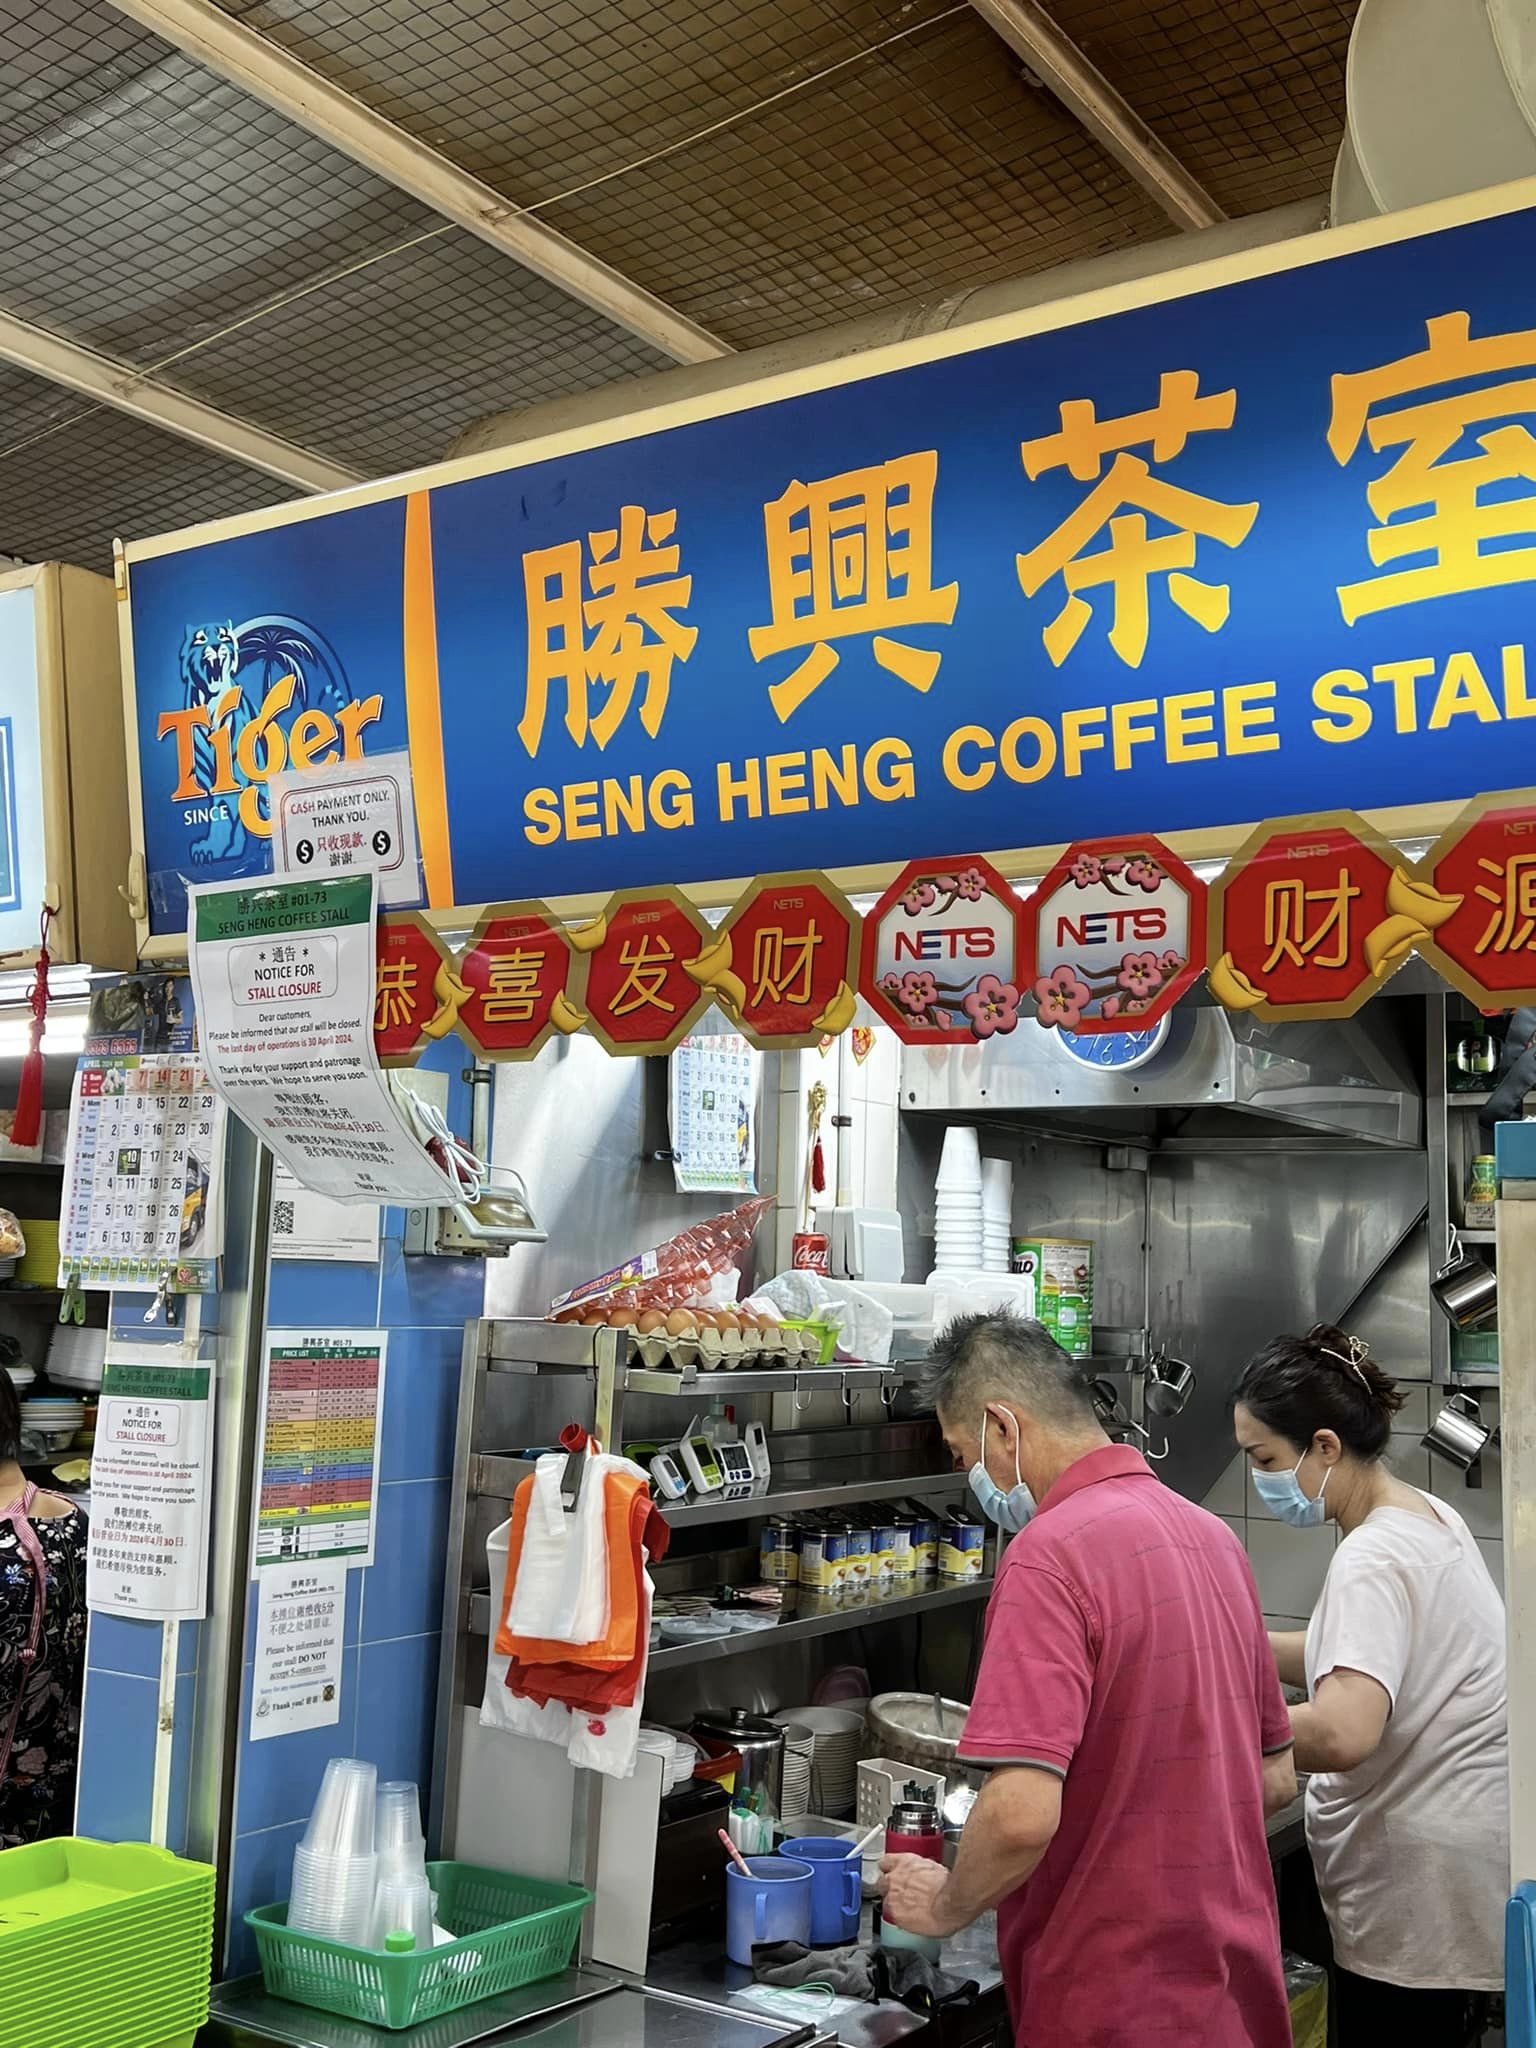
{"x":322,"y":1403}
{"x":143,"y":1174}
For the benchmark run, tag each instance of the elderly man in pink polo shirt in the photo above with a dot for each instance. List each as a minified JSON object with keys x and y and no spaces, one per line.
{"x":1130,"y":1721}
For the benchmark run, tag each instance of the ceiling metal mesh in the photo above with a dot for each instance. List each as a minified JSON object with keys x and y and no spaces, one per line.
{"x":767,"y":169}
{"x":1248,"y":93}
{"x":74,"y":476}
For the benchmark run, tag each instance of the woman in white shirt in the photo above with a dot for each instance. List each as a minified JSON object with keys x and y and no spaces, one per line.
{"x":1404,"y":1730}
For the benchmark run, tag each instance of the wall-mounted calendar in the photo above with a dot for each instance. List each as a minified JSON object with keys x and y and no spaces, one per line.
{"x":143,"y":1179}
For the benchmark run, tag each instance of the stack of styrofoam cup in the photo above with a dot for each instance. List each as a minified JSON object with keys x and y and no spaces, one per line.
{"x":996,"y":1214}
{"x":335,"y":1867}
{"x":957,"y":1203}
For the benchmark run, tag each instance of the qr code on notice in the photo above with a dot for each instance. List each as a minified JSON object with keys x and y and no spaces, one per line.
{"x":282,"y":1219}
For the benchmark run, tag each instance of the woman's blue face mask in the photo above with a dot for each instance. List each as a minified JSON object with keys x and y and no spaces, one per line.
{"x":1010,"y":1510}
{"x":1281,"y":1493}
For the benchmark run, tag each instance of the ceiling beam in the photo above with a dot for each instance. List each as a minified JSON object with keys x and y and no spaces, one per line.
{"x":265,"y":70}
{"x":1108,"y":116}
{"x":127,"y":390}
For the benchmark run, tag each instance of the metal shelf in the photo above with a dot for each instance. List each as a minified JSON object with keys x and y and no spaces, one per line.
{"x":784,"y":1493}
{"x":1477,"y":1236}
{"x":832,"y":1619}
{"x":788,"y":1379}
{"x":529,"y":1346}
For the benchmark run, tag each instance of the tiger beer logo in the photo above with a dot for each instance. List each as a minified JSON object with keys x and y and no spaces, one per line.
{"x":255,"y":699}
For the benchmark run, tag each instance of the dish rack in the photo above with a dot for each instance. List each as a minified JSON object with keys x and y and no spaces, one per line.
{"x":881,"y":1781}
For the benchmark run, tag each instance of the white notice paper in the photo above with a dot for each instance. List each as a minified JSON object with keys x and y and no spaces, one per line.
{"x":151,"y":1485}
{"x":351,"y":817}
{"x":284,"y":973}
{"x":296,"y":1682}
{"x":310,"y":1226}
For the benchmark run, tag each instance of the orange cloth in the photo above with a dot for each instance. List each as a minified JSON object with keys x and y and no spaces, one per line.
{"x":626,"y":1505}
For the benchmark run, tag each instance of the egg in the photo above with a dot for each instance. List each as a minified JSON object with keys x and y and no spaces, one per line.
{"x":650,"y":1319}
{"x":680,"y":1323}
{"x":728,"y":1320}
{"x":595,"y":1318}
{"x":621,"y":1318}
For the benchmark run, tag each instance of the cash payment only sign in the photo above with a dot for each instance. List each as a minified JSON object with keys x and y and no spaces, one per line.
{"x":1260,"y":537}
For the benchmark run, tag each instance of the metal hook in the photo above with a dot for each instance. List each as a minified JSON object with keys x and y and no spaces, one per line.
{"x":1155,"y":1456}
{"x":847,"y":1400}
{"x":888,"y":1398}
{"x":800,"y":1406}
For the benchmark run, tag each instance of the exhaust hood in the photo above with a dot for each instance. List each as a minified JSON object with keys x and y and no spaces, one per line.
{"x":1218,"y":1082}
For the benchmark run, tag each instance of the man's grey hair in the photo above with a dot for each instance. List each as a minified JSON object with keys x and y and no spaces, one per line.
{"x":1006,"y":1357}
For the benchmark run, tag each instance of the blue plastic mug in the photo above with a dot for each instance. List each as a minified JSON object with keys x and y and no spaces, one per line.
{"x":837,"y":1887}
{"x":773,"y":1904}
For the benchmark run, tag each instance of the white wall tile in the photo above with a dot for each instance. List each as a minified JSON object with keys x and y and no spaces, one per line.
{"x":1229,"y":1496}
{"x":1493,"y":1557}
{"x":1480,"y":1507}
{"x":881,"y":1136}
{"x":1289,"y":1564}
{"x":1238,"y":1527}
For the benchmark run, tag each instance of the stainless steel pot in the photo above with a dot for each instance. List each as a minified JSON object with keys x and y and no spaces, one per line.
{"x":1458,"y":1433}
{"x":757,"y":1741}
{"x":1467,"y":1288}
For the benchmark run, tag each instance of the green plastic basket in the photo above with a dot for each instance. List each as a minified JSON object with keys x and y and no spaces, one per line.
{"x":510,"y":1931}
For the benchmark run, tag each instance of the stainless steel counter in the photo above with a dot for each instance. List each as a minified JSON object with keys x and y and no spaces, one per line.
{"x":693,"y":1998}
{"x":700,"y":1969}
{"x":589,"y":2011}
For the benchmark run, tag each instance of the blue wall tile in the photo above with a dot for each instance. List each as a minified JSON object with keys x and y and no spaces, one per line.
{"x":429,"y":1292}
{"x":117,"y":1764}
{"x":316,"y":1294}
{"x":115,"y":1643}
{"x":403,"y":1588}
{"x":421,"y":1404}
{"x":261,"y":1873}
{"x":280,"y":1777}
{"x":399,"y":1683}
{"x":181,"y":1765}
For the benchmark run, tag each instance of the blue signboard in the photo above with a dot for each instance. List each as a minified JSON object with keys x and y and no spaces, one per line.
{"x":1251,"y":550}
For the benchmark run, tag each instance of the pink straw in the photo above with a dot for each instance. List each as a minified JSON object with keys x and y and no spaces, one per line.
{"x":733,"y":1852}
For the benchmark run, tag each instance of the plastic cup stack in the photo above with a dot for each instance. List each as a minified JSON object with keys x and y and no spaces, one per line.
{"x":403,"y":1905}
{"x":996,"y":1214}
{"x":335,"y":1867}
{"x":957,"y":1203}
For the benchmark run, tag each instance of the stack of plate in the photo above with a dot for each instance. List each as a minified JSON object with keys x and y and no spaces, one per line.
{"x":53,"y":1423}
{"x":799,"y":1751}
{"x":838,"y":1734}
{"x":77,"y":1355}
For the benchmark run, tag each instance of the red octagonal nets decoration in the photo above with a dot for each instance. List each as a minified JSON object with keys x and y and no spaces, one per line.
{"x":516,"y":969}
{"x":1116,"y":936}
{"x":782,"y":964}
{"x":1483,"y":869}
{"x":417,"y":991}
{"x":1310,"y":918}
{"x":639,"y":997}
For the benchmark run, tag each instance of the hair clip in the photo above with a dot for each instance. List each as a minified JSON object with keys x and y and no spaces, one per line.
{"x":1358,"y":1349}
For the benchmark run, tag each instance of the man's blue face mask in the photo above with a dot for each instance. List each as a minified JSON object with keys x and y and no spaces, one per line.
{"x":1010,"y":1510}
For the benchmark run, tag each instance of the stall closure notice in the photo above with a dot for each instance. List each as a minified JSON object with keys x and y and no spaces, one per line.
{"x":1167,"y":567}
{"x":285,"y":984}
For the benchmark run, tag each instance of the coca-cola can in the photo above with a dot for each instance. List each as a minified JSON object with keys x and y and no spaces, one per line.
{"x":811,"y":1252}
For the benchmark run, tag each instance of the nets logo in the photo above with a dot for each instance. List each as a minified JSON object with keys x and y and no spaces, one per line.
{"x":963,"y":942}
{"x":1111,"y":927}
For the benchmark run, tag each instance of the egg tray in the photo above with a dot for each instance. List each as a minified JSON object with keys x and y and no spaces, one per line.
{"x":793,"y":1346}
